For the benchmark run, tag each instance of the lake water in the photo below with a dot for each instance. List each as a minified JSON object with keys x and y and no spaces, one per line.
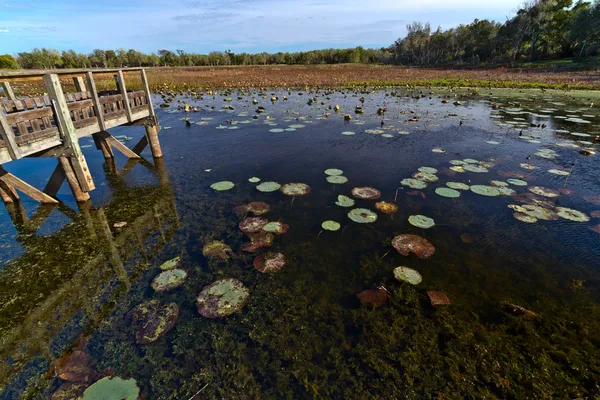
{"x":70,"y":277}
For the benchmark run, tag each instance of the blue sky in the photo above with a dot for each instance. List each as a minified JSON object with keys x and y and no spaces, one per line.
{"x":238,"y":25}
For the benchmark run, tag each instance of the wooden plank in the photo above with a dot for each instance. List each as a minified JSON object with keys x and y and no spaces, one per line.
{"x":28,"y":102}
{"x":8,"y":136}
{"x":25,"y":188}
{"x":8,"y":193}
{"x":85,"y":122}
{"x":65,"y":126}
{"x":22,"y":128}
{"x":111,"y":99}
{"x":36,"y":124}
{"x":56,"y":180}
{"x":118,"y":145}
{"x":78,"y":105}
{"x":96,"y":101}
{"x":74,"y":184}
{"x":123,"y":90}
{"x":148,"y":93}
{"x":141,"y":145}
{"x":39,"y":101}
{"x":115,"y":114}
{"x":29,"y":137}
{"x":25,"y":116}
{"x":7,"y":90}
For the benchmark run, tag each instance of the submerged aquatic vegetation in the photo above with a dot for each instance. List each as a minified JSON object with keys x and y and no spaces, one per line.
{"x":268,"y":187}
{"x":386,"y":207}
{"x":408,"y":275}
{"x":222,"y":186}
{"x":217,"y":249}
{"x":152,"y":320}
{"x":269,"y":263}
{"x":344,"y":201}
{"x":112,"y":388}
{"x":330,"y":225}
{"x":421,"y":221}
{"x":362,"y":216}
{"x":168,"y":280}
{"x":415,"y":244}
{"x":295,"y":189}
{"x":222,"y":298}
{"x":366,"y":193}
{"x":170,"y":264}
{"x":375,"y":298}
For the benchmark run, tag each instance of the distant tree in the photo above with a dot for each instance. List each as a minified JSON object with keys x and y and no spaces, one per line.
{"x":8,"y":62}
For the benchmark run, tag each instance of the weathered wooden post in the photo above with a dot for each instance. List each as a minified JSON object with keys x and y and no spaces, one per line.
{"x":152,"y":127}
{"x":101,"y":143}
{"x":79,"y":84}
{"x":8,"y":136}
{"x":8,"y":92}
{"x":123,"y":90}
{"x":77,"y":163}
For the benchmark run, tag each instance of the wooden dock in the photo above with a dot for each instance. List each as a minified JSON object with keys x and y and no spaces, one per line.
{"x":51,"y":126}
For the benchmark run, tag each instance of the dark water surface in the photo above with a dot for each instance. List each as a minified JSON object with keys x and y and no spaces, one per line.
{"x":70,"y":277}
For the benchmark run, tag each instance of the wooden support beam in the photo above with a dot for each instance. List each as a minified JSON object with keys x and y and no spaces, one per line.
{"x":7,"y":90}
{"x":17,"y":214}
{"x":65,"y":126}
{"x":12,"y":181}
{"x":66,"y":164}
{"x":8,"y":193}
{"x":79,"y":84}
{"x":141,"y":145}
{"x":8,"y":136}
{"x":118,"y":145}
{"x":123,"y":90}
{"x":56,"y":180}
{"x":152,"y":135}
{"x":96,"y":100}
{"x":147,"y":90}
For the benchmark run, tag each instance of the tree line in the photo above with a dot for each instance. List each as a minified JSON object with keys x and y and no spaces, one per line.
{"x":540,"y":29}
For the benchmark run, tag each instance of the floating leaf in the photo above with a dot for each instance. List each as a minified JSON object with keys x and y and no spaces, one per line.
{"x":447,"y":192}
{"x":254,"y":180}
{"x":222,"y":186}
{"x":475,"y":168}
{"x":525,"y":218}
{"x":268,"y":187}
{"x":516,"y":182}
{"x":559,"y":172}
{"x":269,"y":263}
{"x":428,"y":170}
{"x":109,"y":388}
{"x":337,"y":179}
{"x":277,"y":228}
{"x":367,"y":193}
{"x":222,"y":298}
{"x":438,"y":298}
{"x":253,"y":224}
{"x":485,"y":190}
{"x":458,"y":185}
{"x":217,"y":249}
{"x":153,"y":320}
{"x":168,"y":280}
{"x":386,"y":207}
{"x":421,"y":221}
{"x":172,"y":263}
{"x":295,"y":189}
{"x":408,"y":275}
{"x":543,"y":191}
{"x":414,"y":183}
{"x":457,"y":168}
{"x":333,"y":171}
{"x":344,"y":201}
{"x":362,"y":216}
{"x":572,"y":215}
{"x":330,"y":225}
{"x":374,"y":297}
{"x":425,"y":177}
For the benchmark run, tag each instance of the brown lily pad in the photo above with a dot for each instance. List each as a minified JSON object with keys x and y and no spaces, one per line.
{"x":217,"y":249}
{"x":256,"y":207}
{"x":438,"y":298}
{"x":374,"y":297}
{"x":75,"y":367}
{"x":386,"y":207}
{"x":153,"y":320}
{"x":253,"y":224}
{"x":518,"y":311}
{"x":595,"y":214}
{"x":366,"y":193}
{"x":269,"y":262}
{"x":295,"y":189}
{"x":596,"y":228}
{"x":595,"y":200}
{"x":258,"y":240}
{"x":415,"y":244}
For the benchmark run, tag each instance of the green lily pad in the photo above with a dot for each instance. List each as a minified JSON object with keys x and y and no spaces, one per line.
{"x":337,"y":179}
{"x":458,"y":185}
{"x":362,"y":216}
{"x":276,"y":130}
{"x":421,"y":221}
{"x":330,"y":225}
{"x":254,"y":180}
{"x":457,"y":162}
{"x":344,"y":201}
{"x":475,"y":168}
{"x":112,"y":389}
{"x":525,"y":218}
{"x":543,"y":191}
{"x":168,"y":280}
{"x":425,"y":177}
{"x":572,"y":215}
{"x":428,"y":170}
{"x":447,"y":192}
{"x":516,"y":182}
{"x":559,"y":172}
{"x":438,"y":150}
{"x":471,"y":161}
{"x":348,"y":133}
{"x":295,"y":189}
{"x":172,"y":263}
{"x":333,"y":171}
{"x":408,"y":275}
{"x":267,"y":187}
{"x":457,"y":168}
{"x":413,"y":183}
{"x":498,"y":184}
{"x":505,"y":191}
{"x":223,"y":185}
{"x":485,"y":190}
{"x":222,"y":298}
{"x":276,"y":227}
{"x":217,"y":249}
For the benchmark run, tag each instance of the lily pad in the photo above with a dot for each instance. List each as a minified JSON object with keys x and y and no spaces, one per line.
{"x":425,"y":177}
{"x":419,"y":246}
{"x":438,"y":150}
{"x":330,"y":225}
{"x":222,"y":186}
{"x":295,"y":189}
{"x":421,"y":221}
{"x":252,"y":224}
{"x":525,"y":218}
{"x":170,"y":264}
{"x":333,"y":171}
{"x":559,"y":172}
{"x":408,"y":275}
{"x":458,"y":185}
{"x":348,"y":133}
{"x":457,"y":168}
{"x":447,"y":192}
{"x":222,"y":298}
{"x":386,"y":207}
{"x":475,"y":168}
{"x":428,"y":170}
{"x":152,"y":320}
{"x":254,"y":180}
{"x":572,"y":215}
{"x":112,"y":388}
{"x":516,"y":182}
{"x":362,"y":216}
{"x":277,"y":228}
{"x":344,"y":201}
{"x":498,"y":184}
{"x":337,"y":179}
{"x":258,"y":208}
{"x":374,"y":297}
{"x":217,"y":249}
{"x":543,"y":191}
{"x":485,"y":190}
{"x":168,"y":280}
{"x":267,"y":187}
{"x":414,"y":183}
{"x":367,"y":193}
{"x":258,"y":240}
{"x":269,"y":263}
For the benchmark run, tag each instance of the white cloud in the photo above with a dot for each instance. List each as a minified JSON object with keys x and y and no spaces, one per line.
{"x":4,"y":31}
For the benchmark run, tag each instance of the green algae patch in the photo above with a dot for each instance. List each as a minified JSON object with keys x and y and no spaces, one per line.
{"x":330,"y":226}
{"x":168,"y":280}
{"x":217,"y":249}
{"x":152,"y":320}
{"x":295,"y":189}
{"x":458,"y":185}
{"x":344,"y":201}
{"x":112,"y":389}
{"x":362,"y":216}
{"x":407,"y":275}
{"x":421,"y":221}
{"x":413,"y":183}
{"x":170,"y":264}
{"x":447,"y":192}
{"x":337,"y":179}
{"x":484,"y":190}
{"x":268,"y":187}
{"x":222,"y":298}
{"x":222,"y":186}
{"x":333,"y":172}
